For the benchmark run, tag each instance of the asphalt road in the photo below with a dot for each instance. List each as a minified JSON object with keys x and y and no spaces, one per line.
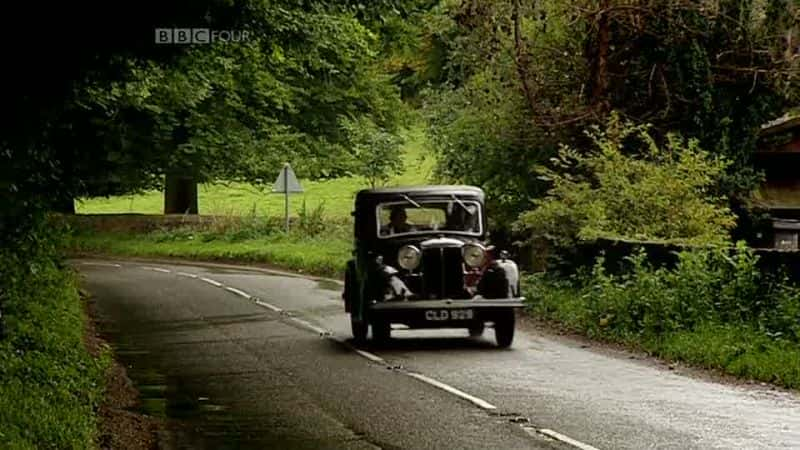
{"x":237,"y":358}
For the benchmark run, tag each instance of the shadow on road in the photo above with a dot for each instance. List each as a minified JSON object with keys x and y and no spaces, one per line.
{"x":433,"y":343}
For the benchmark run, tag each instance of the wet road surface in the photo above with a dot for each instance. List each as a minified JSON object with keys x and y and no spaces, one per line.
{"x":239,"y":375}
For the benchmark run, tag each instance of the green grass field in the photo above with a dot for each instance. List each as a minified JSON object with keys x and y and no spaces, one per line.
{"x":239,"y":199}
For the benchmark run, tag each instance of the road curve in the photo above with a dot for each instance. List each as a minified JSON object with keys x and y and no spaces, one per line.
{"x":242,"y":355}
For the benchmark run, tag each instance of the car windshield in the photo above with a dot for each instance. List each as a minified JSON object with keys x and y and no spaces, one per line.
{"x":405,"y":217}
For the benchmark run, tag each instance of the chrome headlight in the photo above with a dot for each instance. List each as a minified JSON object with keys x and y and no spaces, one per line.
{"x":408,"y":257}
{"x":474,"y":255}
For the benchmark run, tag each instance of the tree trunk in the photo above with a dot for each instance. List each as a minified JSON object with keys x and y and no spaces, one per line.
{"x":521,"y":57}
{"x":64,"y":205}
{"x":180,"y":195}
{"x":601,"y":82}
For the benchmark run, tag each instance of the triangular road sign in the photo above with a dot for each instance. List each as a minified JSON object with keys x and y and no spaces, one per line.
{"x":287,"y":181}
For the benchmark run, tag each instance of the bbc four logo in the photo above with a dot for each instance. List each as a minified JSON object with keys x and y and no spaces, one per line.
{"x":185,"y":36}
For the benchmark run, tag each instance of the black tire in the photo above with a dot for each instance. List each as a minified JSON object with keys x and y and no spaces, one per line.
{"x":359,"y":329}
{"x":477,"y":329}
{"x":348,"y":286}
{"x":504,"y":328}
{"x":381,"y":331}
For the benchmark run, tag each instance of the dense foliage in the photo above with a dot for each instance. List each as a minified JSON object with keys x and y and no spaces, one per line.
{"x":714,"y":308}
{"x":665,"y":193}
{"x":121,"y":111}
{"x":521,"y":78}
{"x":236,"y":111}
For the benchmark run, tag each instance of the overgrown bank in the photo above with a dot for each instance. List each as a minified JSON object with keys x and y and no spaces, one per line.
{"x":318,"y":256}
{"x":50,"y":385}
{"x":310,"y":246}
{"x":713,"y":309}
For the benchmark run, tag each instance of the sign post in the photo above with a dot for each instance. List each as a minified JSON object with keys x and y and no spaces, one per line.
{"x":287,"y":183}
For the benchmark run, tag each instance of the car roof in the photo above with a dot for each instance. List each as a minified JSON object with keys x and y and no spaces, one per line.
{"x":432,"y":189}
{"x":367,"y":199}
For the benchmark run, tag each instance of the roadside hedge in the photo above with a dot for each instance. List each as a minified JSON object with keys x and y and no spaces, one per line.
{"x":50,"y":386}
{"x":715,"y":308}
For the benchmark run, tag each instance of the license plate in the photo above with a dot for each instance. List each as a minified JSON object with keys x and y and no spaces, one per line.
{"x":439,"y":315}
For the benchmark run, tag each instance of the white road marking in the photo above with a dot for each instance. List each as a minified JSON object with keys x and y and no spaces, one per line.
{"x":188,"y":275}
{"x":322,"y":332}
{"x":100,"y":264}
{"x":155,"y":269}
{"x":370,"y":356}
{"x":268,"y":306}
{"x":238,"y":292}
{"x":475,"y":400}
{"x":561,"y":437}
{"x":212,"y":282}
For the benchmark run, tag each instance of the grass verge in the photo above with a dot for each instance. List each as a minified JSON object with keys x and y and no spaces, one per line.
{"x":324,"y":256}
{"x":745,"y":350}
{"x":50,"y":385}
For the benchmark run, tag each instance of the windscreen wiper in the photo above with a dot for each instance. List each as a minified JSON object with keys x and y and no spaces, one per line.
{"x":462,"y":204}
{"x":408,"y":199}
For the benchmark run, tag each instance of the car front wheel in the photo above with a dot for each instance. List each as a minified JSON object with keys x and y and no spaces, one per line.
{"x":476,"y":330}
{"x":359,"y":329}
{"x":504,"y":328}
{"x":381,"y":331}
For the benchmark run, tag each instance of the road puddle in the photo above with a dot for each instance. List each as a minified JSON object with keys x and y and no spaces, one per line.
{"x":191,"y":415}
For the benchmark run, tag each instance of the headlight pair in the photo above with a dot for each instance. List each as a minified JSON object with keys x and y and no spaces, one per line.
{"x":409,"y":256}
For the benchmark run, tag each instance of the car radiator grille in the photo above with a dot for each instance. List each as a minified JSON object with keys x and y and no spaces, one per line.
{"x":442,"y":273}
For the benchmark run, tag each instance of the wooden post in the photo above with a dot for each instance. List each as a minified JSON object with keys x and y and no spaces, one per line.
{"x":286,"y":193}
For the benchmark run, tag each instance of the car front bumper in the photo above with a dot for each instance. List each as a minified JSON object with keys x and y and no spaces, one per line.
{"x":445,"y":313}
{"x":399,"y":305}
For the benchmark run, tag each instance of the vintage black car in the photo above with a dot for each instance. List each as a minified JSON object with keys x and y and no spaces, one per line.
{"x":421,"y":259}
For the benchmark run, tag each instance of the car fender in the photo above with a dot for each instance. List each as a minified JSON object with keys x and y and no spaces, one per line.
{"x":500,"y":279}
{"x":511,"y":271}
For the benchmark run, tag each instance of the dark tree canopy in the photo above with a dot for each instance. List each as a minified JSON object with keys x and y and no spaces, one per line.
{"x":95,"y":107}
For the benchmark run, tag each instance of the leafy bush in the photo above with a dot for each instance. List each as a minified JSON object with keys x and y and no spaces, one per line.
{"x":311,"y":222}
{"x":227,"y":228}
{"x":714,"y":308}
{"x":663,"y":194}
{"x":50,"y":386}
{"x":705,"y":286}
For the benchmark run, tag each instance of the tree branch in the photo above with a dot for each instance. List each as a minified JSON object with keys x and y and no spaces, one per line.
{"x":600,"y":63}
{"x":521,"y":56}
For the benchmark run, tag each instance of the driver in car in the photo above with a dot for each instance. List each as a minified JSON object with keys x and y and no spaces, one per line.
{"x":397,"y":222}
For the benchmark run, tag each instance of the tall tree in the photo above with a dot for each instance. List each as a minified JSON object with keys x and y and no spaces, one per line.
{"x":523,"y":77}
{"x":112,"y":111}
